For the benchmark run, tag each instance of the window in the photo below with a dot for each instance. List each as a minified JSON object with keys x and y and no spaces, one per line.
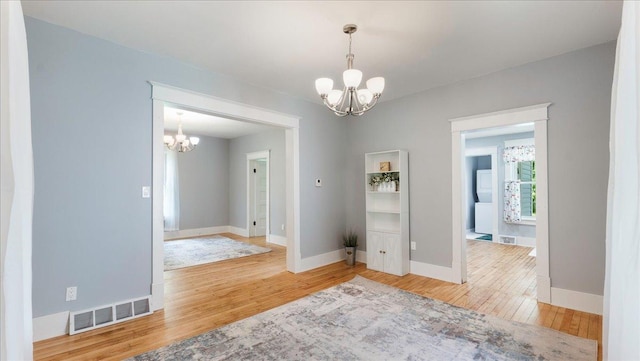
{"x":525,"y":173}
{"x":520,"y":181}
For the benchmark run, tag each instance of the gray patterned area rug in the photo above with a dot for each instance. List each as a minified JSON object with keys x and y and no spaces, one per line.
{"x":190,"y":252}
{"x":366,"y":320}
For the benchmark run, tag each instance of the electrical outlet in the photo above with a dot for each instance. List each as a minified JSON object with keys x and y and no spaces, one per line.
{"x":72,"y":293}
{"x":146,"y":192}
{"x":282,"y":227}
{"x":413,"y":246}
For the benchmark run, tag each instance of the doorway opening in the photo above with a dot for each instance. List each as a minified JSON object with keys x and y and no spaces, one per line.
{"x":500,"y":208}
{"x":535,"y":116}
{"x":164,"y":95}
{"x":258,"y":193}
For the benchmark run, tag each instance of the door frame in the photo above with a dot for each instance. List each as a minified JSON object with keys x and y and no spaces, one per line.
{"x":493,"y":152}
{"x":265,"y":154}
{"x":161,"y":95}
{"x":538,"y":115}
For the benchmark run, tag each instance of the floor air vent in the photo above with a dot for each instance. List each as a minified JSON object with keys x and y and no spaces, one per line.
{"x":508,"y":239}
{"x":81,"y":321}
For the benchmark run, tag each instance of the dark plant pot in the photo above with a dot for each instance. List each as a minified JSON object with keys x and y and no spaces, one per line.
{"x":350,"y":252}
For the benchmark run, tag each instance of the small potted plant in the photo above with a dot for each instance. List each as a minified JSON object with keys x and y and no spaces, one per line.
{"x":350,"y":242}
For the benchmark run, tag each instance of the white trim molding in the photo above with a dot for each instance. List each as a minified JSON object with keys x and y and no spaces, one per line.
{"x":194,"y":232}
{"x":361,"y":256}
{"x":49,"y":326}
{"x":275,"y":239}
{"x":242,"y":232}
{"x":575,"y":300}
{"x":320,"y":260}
{"x":432,"y":271}
{"x":162,"y":94}
{"x":538,"y":115}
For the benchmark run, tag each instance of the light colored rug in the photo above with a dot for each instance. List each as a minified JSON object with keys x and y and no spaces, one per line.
{"x":365,"y":320}
{"x":190,"y":252}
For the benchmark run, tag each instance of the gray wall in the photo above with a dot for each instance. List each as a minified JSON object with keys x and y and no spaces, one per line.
{"x":204,"y":184}
{"x":504,"y":228}
{"x":91,"y":127}
{"x":579,"y":85}
{"x":274,"y":141}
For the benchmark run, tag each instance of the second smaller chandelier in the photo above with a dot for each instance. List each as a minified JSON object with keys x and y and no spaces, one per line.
{"x":350,"y":100}
{"x":180,"y":142}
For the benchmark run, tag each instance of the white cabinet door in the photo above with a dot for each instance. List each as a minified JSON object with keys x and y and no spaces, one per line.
{"x":375,"y":249}
{"x":393,"y":254}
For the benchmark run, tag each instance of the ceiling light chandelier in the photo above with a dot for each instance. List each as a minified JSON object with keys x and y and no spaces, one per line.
{"x":350,"y":100}
{"x":181,"y":143}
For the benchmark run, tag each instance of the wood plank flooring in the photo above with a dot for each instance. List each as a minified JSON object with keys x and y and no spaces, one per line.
{"x":501,"y":282}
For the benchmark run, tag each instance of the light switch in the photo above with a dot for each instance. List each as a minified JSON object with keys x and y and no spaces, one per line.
{"x":146,"y":192}
{"x":318,"y":182}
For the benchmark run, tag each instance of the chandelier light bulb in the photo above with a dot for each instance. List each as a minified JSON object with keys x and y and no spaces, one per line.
{"x":180,"y":137}
{"x":334,"y":97}
{"x":168,"y":140}
{"x":352,"y":78}
{"x":376,"y":85}
{"x":195,"y":140}
{"x":324,"y":85}
{"x":365,"y":96}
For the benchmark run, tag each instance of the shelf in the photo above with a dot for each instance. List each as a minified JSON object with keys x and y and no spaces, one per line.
{"x":376,"y":192}
{"x":379,"y":172}
{"x":382,"y":230}
{"x":389,"y":211}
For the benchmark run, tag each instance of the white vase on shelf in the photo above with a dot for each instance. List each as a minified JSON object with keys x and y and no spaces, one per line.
{"x":392,"y":186}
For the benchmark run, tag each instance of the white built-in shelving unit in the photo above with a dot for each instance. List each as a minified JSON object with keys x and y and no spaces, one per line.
{"x":388,"y":245}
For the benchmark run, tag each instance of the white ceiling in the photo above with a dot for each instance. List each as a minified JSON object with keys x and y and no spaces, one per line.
{"x":286,"y":45}
{"x":203,"y":124}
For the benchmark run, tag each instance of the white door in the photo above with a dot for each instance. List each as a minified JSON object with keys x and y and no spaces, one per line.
{"x":258,"y":197}
{"x":393,"y":255}
{"x":375,"y":249}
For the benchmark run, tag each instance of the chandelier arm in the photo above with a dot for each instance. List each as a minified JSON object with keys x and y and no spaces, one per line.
{"x":334,"y":108}
{"x":351,"y":99}
{"x":369,"y":106}
{"x":345,"y":92}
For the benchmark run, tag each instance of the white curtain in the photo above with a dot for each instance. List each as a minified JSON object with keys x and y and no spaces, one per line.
{"x":16,"y":184}
{"x":171,"y":208}
{"x":512,"y":213}
{"x":621,"y":323}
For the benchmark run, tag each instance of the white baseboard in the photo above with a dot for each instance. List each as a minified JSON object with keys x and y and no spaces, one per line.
{"x":275,"y":239}
{"x":195,"y":232}
{"x":361,"y":256}
{"x":320,"y":260}
{"x":575,"y":300}
{"x":157,"y":296}
{"x":431,"y":271}
{"x":526,"y":241}
{"x":242,"y":232}
{"x":50,"y":326}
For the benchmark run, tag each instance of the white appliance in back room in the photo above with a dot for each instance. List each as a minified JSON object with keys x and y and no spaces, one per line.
{"x":484,"y":207}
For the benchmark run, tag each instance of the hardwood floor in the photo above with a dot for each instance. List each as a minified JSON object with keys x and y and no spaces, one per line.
{"x":201,"y":298}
